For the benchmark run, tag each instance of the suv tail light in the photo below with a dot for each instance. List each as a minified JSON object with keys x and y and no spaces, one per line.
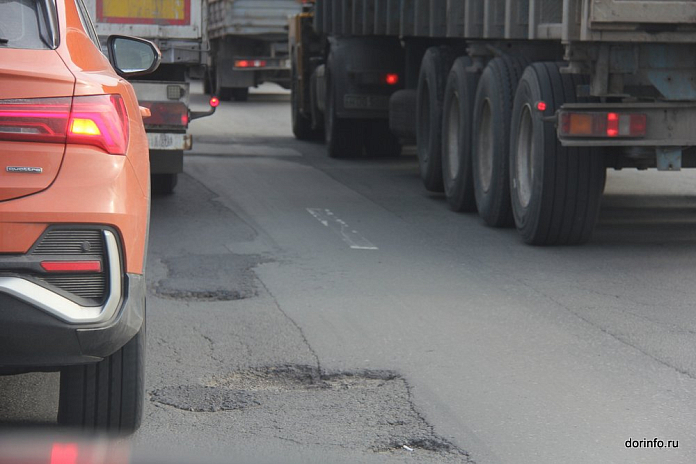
{"x":99,"y":120}
{"x":35,"y":120}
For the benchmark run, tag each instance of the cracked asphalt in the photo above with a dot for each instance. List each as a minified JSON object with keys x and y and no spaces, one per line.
{"x":275,"y":335}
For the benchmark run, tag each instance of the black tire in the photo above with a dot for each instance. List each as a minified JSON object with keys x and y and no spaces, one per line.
{"x":240,"y":94}
{"x":301,"y":125}
{"x":209,"y":82}
{"x":432,"y":80}
{"x":223,"y":93}
{"x":379,"y":140}
{"x":458,"y":110}
{"x":107,"y":395}
{"x":491,"y":140}
{"x":163,"y":184}
{"x":344,"y":137}
{"x":556,"y":190}
{"x":402,"y":114}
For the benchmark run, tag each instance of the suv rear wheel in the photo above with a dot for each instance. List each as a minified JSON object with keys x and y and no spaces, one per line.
{"x":107,"y":395}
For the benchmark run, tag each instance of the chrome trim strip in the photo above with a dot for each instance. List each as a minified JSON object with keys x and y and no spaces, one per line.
{"x":63,"y":308}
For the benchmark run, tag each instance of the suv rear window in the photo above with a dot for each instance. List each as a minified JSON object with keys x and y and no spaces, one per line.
{"x":22,"y":25}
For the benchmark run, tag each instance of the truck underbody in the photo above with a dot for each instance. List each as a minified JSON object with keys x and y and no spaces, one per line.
{"x":516,"y":107}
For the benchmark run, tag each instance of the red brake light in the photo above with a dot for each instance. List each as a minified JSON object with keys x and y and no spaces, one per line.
{"x":250,"y":64}
{"x":391,"y":79}
{"x":612,"y":125}
{"x":100,"y":120}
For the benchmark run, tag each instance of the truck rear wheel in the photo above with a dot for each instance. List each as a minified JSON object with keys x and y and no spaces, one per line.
{"x":431,"y":91}
{"x":457,"y":113}
{"x":301,"y":125}
{"x":107,"y":395}
{"x":344,"y":137}
{"x":402,"y":107}
{"x":223,"y":93}
{"x":163,"y":184}
{"x":491,"y":140}
{"x":556,"y":191}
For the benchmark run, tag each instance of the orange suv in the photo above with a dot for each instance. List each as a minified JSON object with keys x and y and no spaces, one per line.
{"x":74,"y":210}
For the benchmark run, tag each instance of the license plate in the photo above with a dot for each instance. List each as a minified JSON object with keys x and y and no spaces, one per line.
{"x":166,"y":141}
{"x":366,"y":102}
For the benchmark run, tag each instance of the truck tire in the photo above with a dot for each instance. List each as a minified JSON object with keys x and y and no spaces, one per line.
{"x":431,"y":91}
{"x":491,"y":140}
{"x":402,"y":111}
{"x":240,"y":94}
{"x":107,"y":395}
{"x":556,"y":191}
{"x":379,"y":140}
{"x":301,"y":125}
{"x":458,"y":109}
{"x":163,"y":184}
{"x":344,"y":137}
{"x":209,"y":85}
{"x":223,"y":93}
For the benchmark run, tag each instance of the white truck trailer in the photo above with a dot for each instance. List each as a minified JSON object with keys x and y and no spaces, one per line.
{"x":178,"y":28}
{"x":517,"y":107}
{"x":249,"y":46}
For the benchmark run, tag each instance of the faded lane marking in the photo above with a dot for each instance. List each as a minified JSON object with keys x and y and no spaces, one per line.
{"x":349,"y":235}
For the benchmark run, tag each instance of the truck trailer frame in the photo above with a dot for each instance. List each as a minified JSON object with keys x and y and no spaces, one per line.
{"x":517,"y":107}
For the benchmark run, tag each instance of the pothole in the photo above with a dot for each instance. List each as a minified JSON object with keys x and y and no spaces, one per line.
{"x":199,"y":398}
{"x":297,"y":377}
{"x":204,"y":295}
{"x":225,"y":277}
{"x":364,"y":409}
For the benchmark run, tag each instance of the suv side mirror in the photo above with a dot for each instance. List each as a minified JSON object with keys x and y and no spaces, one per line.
{"x":131,"y":56}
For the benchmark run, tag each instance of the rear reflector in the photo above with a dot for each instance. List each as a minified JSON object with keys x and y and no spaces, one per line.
{"x":71,"y":266}
{"x":603,"y":125}
{"x":98,"y":120}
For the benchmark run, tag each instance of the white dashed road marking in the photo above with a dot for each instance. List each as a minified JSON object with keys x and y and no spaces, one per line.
{"x":349,"y":235}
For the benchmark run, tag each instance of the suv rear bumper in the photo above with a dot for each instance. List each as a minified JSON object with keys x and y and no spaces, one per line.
{"x":31,"y":338}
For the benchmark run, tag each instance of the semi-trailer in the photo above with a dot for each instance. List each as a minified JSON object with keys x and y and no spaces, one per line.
{"x":517,"y":107}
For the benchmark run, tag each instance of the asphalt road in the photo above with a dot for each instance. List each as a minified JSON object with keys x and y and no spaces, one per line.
{"x":303,"y":309}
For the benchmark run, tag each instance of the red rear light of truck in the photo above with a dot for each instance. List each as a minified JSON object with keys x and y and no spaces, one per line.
{"x":167,"y":114}
{"x":98,"y":120}
{"x":603,"y":125}
{"x":250,"y":64}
